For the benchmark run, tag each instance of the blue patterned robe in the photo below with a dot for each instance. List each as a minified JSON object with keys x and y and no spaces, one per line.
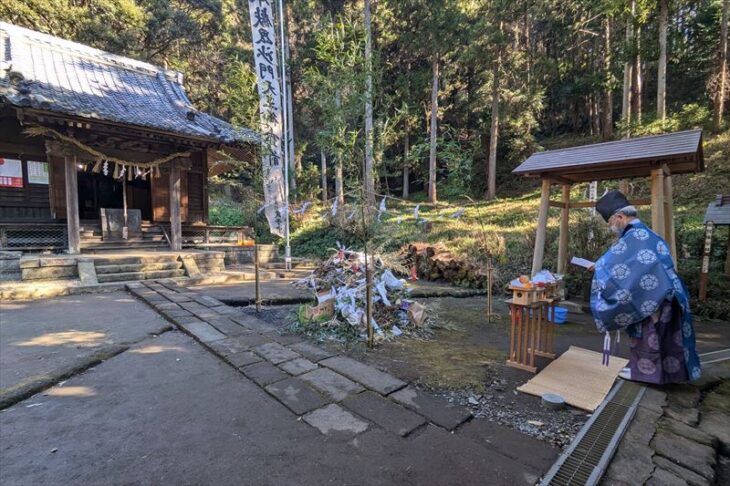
{"x":630,"y":282}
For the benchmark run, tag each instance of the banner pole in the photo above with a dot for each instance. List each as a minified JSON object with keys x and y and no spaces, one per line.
{"x":285,"y":134}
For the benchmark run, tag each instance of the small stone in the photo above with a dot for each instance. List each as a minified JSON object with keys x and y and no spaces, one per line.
{"x":536,"y":423}
{"x":473,"y":401}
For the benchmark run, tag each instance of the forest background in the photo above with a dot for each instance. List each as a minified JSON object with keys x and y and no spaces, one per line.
{"x":462,"y":92}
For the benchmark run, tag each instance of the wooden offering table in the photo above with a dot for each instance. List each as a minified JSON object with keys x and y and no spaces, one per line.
{"x":531,"y":333}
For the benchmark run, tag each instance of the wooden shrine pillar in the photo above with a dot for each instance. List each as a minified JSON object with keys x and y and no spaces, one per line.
{"x":657,"y":202}
{"x":669,"y":213}
{"x":72,"y":204}
{"x":564,"y":231}
{"x":175,"y":221}
{"x":537,"y":257}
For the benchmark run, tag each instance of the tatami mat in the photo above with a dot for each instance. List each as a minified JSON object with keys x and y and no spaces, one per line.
{"x":578,"y":376}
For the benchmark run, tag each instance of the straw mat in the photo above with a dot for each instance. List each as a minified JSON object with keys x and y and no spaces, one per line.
{"x":578,"y":376}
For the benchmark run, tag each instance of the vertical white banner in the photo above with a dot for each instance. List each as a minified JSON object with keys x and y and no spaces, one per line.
{"x":264,"y":47}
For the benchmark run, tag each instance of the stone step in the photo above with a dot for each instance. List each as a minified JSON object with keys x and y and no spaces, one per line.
{"x":114,"y":247}
{"x":131,"y":276}
{"x":135,"y":259}
{"x":137,"y":267}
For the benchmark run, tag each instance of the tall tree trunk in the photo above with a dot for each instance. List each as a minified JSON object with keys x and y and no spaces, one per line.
{"x":628,"y":76}
{"x":636,"y":84}
{"x":494,"y":129}
{"x":339,"y":183}
{"x":661,"y":90}
{"x":406,"y":168}
{"x":596,"y":114}
{"x":323,"y":161}
{"x":369,"y":176}
{"x":432,"y":198}
{"x":719,"y":101}
{"x":607,"y":123}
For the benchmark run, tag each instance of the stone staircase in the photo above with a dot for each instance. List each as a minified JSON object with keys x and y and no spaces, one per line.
{"x":125,"y":268}
{"x":151,"y":238}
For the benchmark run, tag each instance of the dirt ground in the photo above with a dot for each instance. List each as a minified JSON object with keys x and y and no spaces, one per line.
{"x":464,"y":361}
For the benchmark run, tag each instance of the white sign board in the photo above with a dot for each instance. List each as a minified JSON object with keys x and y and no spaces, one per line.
{"x":264,"y":47}
{"x":37,"y":172}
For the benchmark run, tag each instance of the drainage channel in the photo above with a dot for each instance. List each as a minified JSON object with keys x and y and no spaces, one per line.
{"x":715,"y":356}
{"x":587,"y":457}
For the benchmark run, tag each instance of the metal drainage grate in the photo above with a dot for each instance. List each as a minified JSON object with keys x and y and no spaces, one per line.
{"x":587,"y":458}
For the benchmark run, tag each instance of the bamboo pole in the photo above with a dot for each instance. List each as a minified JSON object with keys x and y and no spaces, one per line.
{"x":256,"y":273}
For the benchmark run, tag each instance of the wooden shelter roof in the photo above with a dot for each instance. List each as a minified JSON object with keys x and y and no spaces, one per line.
{"x":50,"y":74}
{"x":718,"y":211}
{"x":634,"y":157}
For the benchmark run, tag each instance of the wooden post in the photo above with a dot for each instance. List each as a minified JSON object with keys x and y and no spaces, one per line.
{"x":175,"y":224}
{"x":72,"y":205}
{"x":564,"y":231}
{"x":657,"y":201}
{"x":669,"y":214}
{"x":727,"y":257}
{"x":706,"y":260}
{"x":541,"y":227}
{"x":256,"y":273}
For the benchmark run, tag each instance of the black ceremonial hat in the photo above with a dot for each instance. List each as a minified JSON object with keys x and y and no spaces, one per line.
{"x":611,"y":202}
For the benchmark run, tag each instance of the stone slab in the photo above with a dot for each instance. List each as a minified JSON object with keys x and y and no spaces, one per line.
{"x":643,"y":427}
{"x":689,"y":416}
{"x":29,"y":263}
{"x":264,"y":373}
{"x":683,"y":395}
{"x":179,"y":298}
{"x":662,"y":477}
{"x":275,"y":352}
{"x":204,"y":332}
{"x":242,"y":359}
{"x":225,"y":310}
{"x":237,"y":344}
{"x":184,"y":320}
{"x":193,"y":307}
{"x":372,"y":378}
{"x":298,"y":366}
{"x":191,"y":267}
{"x":296,"y":395}
{"x":691,"y":477}
{"x":694,"y":434}
{"x":717,"y":424}
{"x":333,"y":420}
{"x":332,"y":384}
{"x":285,"y":339}
{"x":697,"y":457}
{"x":175,"y":313}
{"x":632,"y":464}
{"x":168,"y":306}
{"x":41,"y":273}
{"x":227,"y":326}
{"x":207,"y":301}
{"x":87,"y":272}
{"x":57,"y":262}
{"x":312,"y":352}
{"x":434,"y":409}
{"x":386,"y":413}
{"x":254,"y":323}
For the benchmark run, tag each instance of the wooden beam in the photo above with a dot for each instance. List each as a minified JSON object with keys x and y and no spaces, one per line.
{"x":669,"y":214}
{"x":72,"y":205}
{"x":564,"y":231}
{"x":727,"y":257}
{"x":657,"y":202}
{"x":557,"y":204}
{"x":591,"y":204}
{"x":560,"y":180}
{"x":542,"y":217}
{"x":175,"y":222}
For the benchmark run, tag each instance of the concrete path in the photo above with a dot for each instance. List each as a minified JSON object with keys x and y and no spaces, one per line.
{"x":41,"y":340}
{"x":248,"y":405}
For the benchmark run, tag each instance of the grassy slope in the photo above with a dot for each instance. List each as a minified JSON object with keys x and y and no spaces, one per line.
{"x":506,"y":227}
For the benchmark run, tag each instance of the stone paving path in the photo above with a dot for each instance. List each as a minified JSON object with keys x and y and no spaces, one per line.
{"x":333,"y":393}
{"x":680,"y":435}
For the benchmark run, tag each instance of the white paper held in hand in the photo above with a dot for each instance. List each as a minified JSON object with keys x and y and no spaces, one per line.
{"x":582,"y":262}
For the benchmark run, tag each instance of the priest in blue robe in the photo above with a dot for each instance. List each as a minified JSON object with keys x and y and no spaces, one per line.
{"x":636,"y":288}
